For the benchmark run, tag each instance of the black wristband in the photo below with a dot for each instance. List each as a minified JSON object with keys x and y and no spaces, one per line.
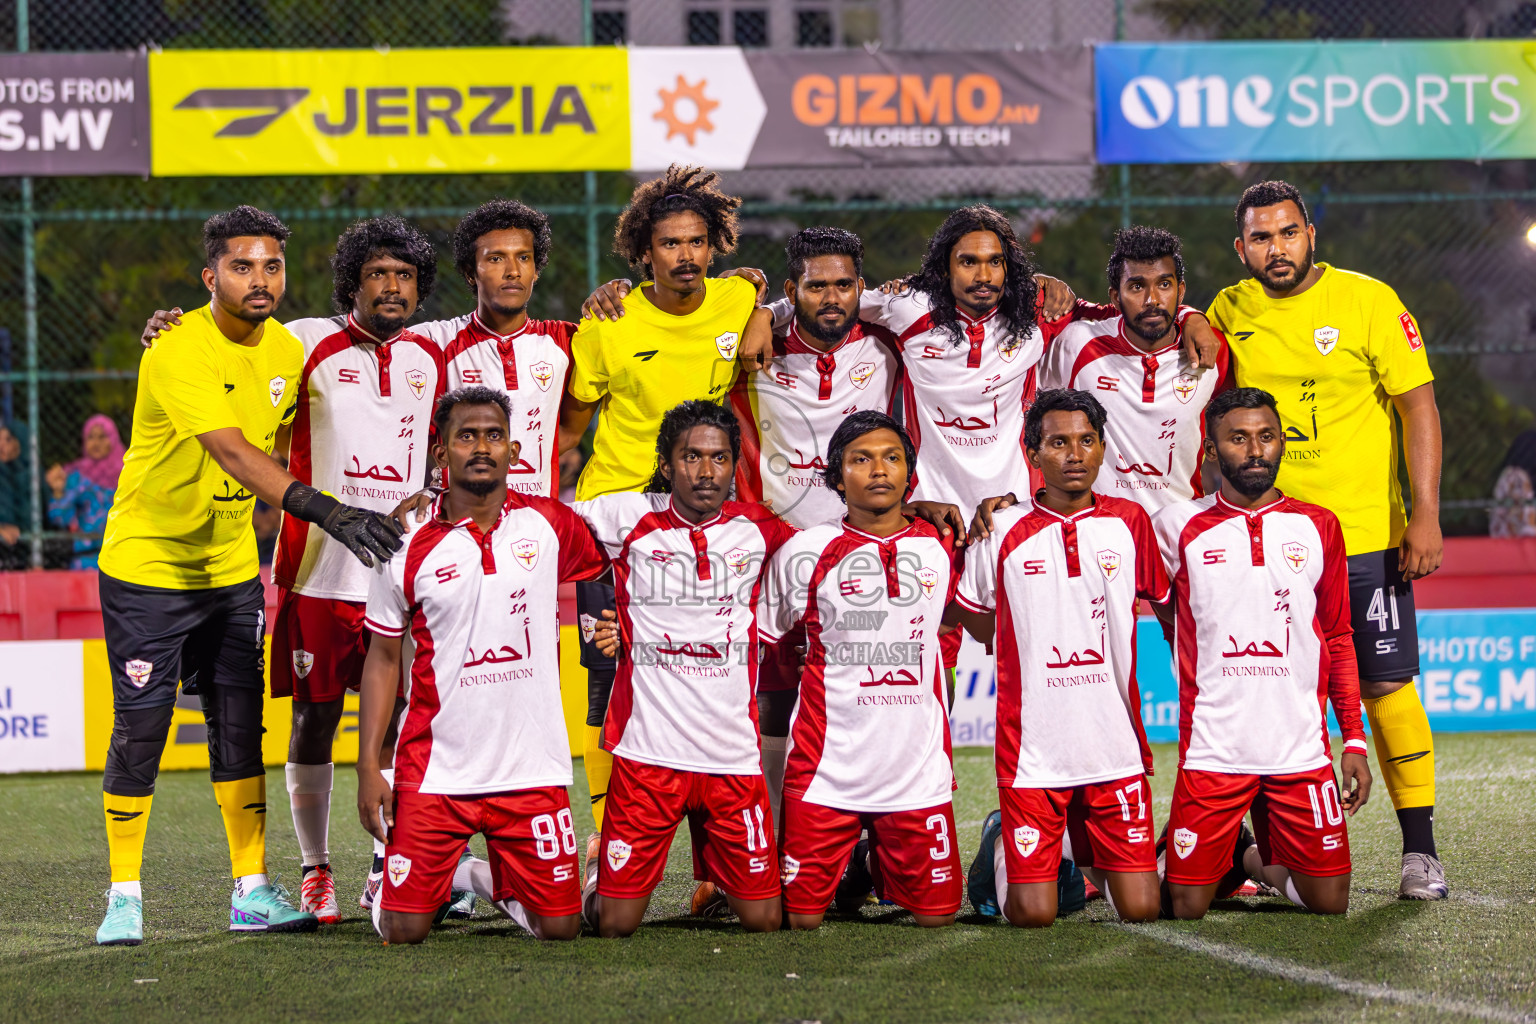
{"x":308,"y":503}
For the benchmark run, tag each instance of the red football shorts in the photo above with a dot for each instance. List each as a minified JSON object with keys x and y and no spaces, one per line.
{"x":1110,"y":824}
{"x":1297,"y":820}
{"x":912,"y":854}
{"x":318,"y":647}
{"x":728,"y":820}
{"x":529,"y":839}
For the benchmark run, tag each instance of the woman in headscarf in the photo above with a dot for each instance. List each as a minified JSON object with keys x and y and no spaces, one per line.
{"x":15,"y":494}
{"x":1516,"y":484}
{"x":82,"y":491}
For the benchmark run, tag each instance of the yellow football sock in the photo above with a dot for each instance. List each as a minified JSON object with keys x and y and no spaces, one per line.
{"x":1404,"y":747}
{"x":599,"y":765}
{"x":127,"y":824}
{"x":243,"y":803}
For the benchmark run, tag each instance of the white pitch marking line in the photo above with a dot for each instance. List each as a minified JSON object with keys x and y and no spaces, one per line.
{"x":1327,"y":979}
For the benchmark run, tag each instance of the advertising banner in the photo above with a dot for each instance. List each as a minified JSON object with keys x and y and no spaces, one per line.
{"x":1477,"y":674}
{"x":730,"y":109}
{"x":1398,"y":100}
{"x":243,"y":112}
{"x":73,"y":113}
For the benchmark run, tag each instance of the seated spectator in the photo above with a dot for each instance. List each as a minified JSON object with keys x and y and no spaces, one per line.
{"x":1516,"y":484}
{"x":82,"y":491}
{"x":15,"y":495}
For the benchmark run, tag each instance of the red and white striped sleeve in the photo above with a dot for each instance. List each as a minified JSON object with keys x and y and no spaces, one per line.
{"x":1151,"y":574}
{"x":581,"y":558}
{"x":1333,"y":619}
{"x":387,"y":612}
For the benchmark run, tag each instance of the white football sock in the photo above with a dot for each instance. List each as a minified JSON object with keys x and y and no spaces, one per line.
{"x":129,"y":889}
{"x":1066,"y":845}
{"x":474,"y":875}
{"x":516,"y":912}
{"x":1000,"y":877}
{"x":1291,"y":893}
{"x":309,"y":797}
{"x":389,"y":777}
{"x":774,"y":752}
{"x":1101,"y":882}
{"x":247,"y":884}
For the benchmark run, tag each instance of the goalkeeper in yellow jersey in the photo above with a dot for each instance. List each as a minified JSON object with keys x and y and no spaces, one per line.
{"x":1341,"y":354}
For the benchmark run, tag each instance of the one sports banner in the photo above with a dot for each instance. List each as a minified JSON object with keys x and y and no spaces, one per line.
{"x":73,"y":113}
{"x":1478,"y":674}
{"x":1308,"y":101}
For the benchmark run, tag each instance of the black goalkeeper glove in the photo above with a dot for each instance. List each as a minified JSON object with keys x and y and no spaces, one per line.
{"x":366,"y":534}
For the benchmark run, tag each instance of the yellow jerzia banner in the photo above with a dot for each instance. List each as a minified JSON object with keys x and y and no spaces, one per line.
{"x":246,"y":112}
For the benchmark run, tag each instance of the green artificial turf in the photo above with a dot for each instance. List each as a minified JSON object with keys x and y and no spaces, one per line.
{"x":1471,"y":957}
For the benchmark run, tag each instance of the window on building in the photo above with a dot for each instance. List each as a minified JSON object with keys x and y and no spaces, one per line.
{"x":702,"y":28}
{"x":813,"y":27}
{"x":610,"y":28}
{"x":749,"y":26}
{"x":861,"y":24}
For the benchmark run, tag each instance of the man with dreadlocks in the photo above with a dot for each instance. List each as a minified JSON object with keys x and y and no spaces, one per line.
{"x":682,"y":724}
{"x":365,"y":401}
{"x":682,"y":337}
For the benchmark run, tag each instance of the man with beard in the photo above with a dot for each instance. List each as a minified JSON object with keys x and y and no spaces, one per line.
{"x":483,"y":745}
{"x":181,"y":597}
{"x":1152,"y":391}
{"x":1261,"y":638}
{"x":364,"y":410}
{"x":1340,"y":353}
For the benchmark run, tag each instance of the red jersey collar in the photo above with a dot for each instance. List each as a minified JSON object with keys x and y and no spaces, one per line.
{"x":906,"y":531}
{"x":358,"y":333}
{"x":1255,"y":513}
{"x":794,"y":341}
{"x":488,"y":334}
{"x":1052,"y":514}
{"x":968,"y":320}
{"x":678,"y":522}
{"x":1132,"y":349}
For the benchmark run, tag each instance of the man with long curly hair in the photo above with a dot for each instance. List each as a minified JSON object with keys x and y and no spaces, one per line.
{"x":682,"y":335}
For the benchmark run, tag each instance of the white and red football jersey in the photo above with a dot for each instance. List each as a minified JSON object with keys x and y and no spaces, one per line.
{"x":871,"y":727}
{"x":361,"y":433}
{"x":1064,"y":589}
{"x":1155,"y":402}
{"x":789,"y":410}
{"x":532,"y":366}
{"x":684,"y":695}
{"x":485,"y":713}
{"x":1261,"y":634}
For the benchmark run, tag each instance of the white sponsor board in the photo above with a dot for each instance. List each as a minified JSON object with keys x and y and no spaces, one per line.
{"x":42,"y":707}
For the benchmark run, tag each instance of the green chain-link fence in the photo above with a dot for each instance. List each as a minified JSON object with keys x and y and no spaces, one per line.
{"x":83,"y":261}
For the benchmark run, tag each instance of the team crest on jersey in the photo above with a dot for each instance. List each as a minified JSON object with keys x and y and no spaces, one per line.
{"x":1295,"y":555}
{"x":1325,"y":338}
{"x":726,"y":343}
{"x":399,"y":868}
{"x":138,"y":671}
{"x":275,"y":388}
{"x":1008,"y":345}
{"x":1109,"y":563}
{"x":588,"y":626}
{"x":1184,"y":387}
{"x":791,"y":869}
{"x":543,"y":373}
{"x":1026,"y":839}
{"x":859,"y":375}
{"x":929,"y":578}
{"x":618,"y":853}
{"x":418,"y":382}
{"x":1184,"y":842}
{"x":737,"y":559}
{"x":526,"y":552}
{"x":303,"y":661}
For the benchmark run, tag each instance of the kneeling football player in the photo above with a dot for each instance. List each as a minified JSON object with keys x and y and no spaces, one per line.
{"x":682,"y":722}
{"x":483,"y":743}
{"x":1057,"y":582}
{"x":869,"y":740}
{"x":1261,"y":638}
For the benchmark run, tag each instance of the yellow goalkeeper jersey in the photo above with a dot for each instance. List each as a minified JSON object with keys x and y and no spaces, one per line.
{"x":1333,"y":357}
{"x":645,"y":363}
{"x":178,"y":521}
